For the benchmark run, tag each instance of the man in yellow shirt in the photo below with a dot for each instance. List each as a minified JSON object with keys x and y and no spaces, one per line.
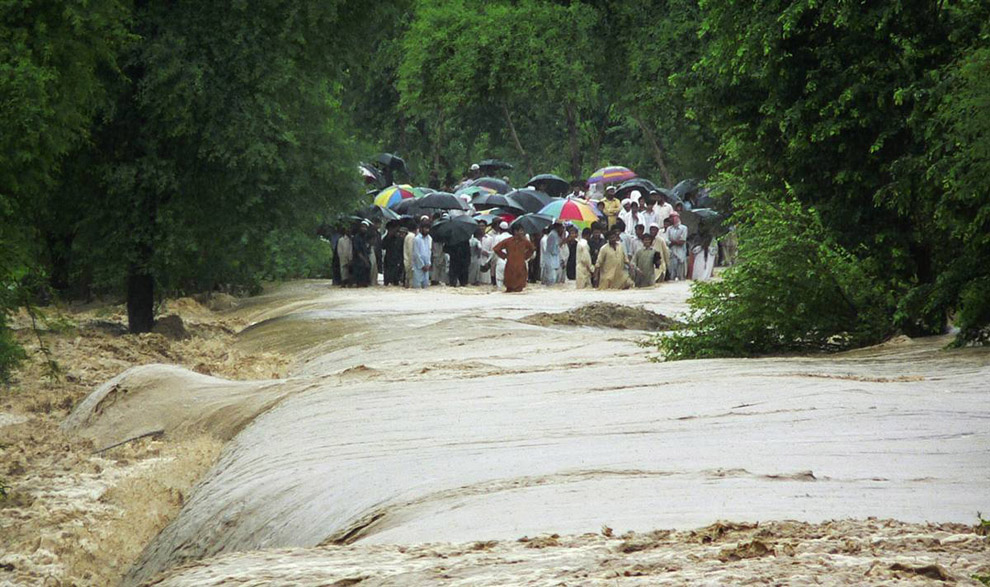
{"x":612,"y":265}
{"x":611,"y":206}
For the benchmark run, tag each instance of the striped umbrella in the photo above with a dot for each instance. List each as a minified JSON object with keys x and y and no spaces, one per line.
{"x":577,"y":212}
{"x":394,"y":194}
{"x":611,"y":174}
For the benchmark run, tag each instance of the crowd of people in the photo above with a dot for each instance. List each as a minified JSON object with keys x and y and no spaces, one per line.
{"x":637,"y":242}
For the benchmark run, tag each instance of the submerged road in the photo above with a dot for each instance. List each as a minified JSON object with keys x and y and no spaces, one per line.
{"x":437,"y":416}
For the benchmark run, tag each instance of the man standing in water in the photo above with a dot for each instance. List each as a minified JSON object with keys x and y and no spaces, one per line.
{"x":612,"y":264}
{"x":515,"y":251}
{"x":422,"y":255}
{"x":677,"y":236}
{"x":550,"y":261}
{"x":500,"y":261}
{"x":392,"y":252}
{"x":407,"y":254}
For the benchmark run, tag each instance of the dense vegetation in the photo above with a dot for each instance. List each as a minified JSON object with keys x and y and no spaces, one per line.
{"x":163,"y":147}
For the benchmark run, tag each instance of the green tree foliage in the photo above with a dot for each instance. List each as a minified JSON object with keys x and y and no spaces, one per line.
{"x":795,"y":289}
{"x":863,"y":113}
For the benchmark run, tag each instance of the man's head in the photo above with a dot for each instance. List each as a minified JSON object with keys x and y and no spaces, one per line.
{"x":610,"y":192}
{"x":654,"y":229}
{"x":620,"y":225}
{"x":586,"y":233}
{"x":503,"y":226}
{"x":613,"y":237}
{"x":572,"y":231}
{"x":647,"y":240}
{"x":424,"y":228}
{"x":626,"y":204}
{"x":675,"y":219}
{"x":640,"y":230}
{"x":392,"y":226}
{"x":558,"y":228}
{"x":518,"y":231}
{"x":479,"y":232}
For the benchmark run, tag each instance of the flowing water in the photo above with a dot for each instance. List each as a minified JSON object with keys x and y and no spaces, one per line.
{"x":438,"y":416}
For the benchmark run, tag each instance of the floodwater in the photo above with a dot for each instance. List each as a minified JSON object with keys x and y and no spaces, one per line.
{"x":415,"y":417}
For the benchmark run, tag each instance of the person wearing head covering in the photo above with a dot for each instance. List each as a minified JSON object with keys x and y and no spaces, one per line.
{"x":625,"y":213}
{"x":550,"y":256}
{"x":422,"y":257}
{"x":584,"y":266}
{"x":515,"y":251}
{"x":500,"y":261}
{"x":677,"y":236}
{"x":407,"y":254}
{"x":392,"y":246}
{"x":612,"y":265}
{"x":611,"y":206}
{"x":704,"y":254}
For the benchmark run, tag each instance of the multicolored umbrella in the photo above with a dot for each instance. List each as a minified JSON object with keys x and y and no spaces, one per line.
{"x":394,"y":194}
{"x":577,"y":212}
{"x":611,"y":174}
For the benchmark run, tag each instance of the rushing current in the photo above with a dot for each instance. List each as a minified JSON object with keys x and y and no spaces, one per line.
{"x":433,"y":416}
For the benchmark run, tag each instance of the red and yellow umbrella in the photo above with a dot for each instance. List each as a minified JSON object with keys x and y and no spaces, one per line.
{"x":577,"y":212}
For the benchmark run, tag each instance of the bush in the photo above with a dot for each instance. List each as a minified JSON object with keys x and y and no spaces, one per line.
{"x":794,"y":289}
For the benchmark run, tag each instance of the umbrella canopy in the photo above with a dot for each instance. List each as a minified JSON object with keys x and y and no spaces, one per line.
{"x":577,"y":212}
{"x":612,"y":174}
{"x":553,"y":185}
{"x":684,"y":188}
{"x":533,"y":223}
{"x":390,"y":161}
{"x":371,"y":175}
{"x":425,"y":190}
{"x":394,"y":194}
{"x":483,"y":201}
{"x":474,"y":190}
{"x":373,"y":212}
{"x":439,"y":201}
{"x":493,"y":183}
{"x":643,"y":185}
{"x":529,"y":200}
{"x":454,"y":230}
{"x":489,"y":165}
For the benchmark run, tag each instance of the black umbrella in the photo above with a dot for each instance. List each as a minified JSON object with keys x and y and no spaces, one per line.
{"x":492,"y":183}
{"x":490,"y":165}
{"x":533,"y":223}
{"x":439,"y":201}
{"x":371,"y":175}
{"x":553,"y":185}
{"x":373,"y":212}
{"x":644,"y":186}
{"x":684,"y":188}
{"x":453,"y":230}
{"x":392,"y":162}
{"x":482,"y":201}
{"x":529,"y":200}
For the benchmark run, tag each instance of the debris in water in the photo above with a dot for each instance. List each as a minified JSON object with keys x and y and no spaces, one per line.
{"x":606,"y":315}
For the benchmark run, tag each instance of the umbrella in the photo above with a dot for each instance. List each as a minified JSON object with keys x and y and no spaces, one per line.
{"x":474,"y":190}
{"x":533,"y":223}
{"x":490,"y":165}
{"x":371,"y":175}
{"x":495,"y":201}
{"x":391,"y":161}
{"x":529,"y":200}
{"x":394,"y":194}
{"x":578,"y":212}
{"x":372,"y":212}
{"x":611,"y":174}
{"x":684,"y":188}
{"x":549,"y":183}
{"x":493,"y":183}
{"x":644,"y":186}
{"x":439,"y":201}
{"x":453,"y":230}
{"x":425,"y":190}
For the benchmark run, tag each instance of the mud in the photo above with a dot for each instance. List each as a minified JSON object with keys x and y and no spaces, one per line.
{"x":606,"y":315}
{"x":846,"y":552}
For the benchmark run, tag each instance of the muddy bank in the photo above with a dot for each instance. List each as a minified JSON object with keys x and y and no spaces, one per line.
{"x":872,"y":552}
{"x":605,"y":315}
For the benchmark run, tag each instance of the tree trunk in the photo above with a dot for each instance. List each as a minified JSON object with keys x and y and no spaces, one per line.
{"x":140,"y":300}
{"x":438,"y":143}
{"x":572,"y":135}
{"x":658,"y":154}
{"x":515,"y":139}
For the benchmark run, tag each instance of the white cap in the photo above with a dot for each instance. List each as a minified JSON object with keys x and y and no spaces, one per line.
{"x":475,"y":167}
{"x":504,"y":225}
{"x":635,"y":195}
{"x":626,"y":201}
{"x":654,"y":225}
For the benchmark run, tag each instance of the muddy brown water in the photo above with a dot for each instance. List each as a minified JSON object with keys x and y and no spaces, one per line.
{"x":439,"y":416}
